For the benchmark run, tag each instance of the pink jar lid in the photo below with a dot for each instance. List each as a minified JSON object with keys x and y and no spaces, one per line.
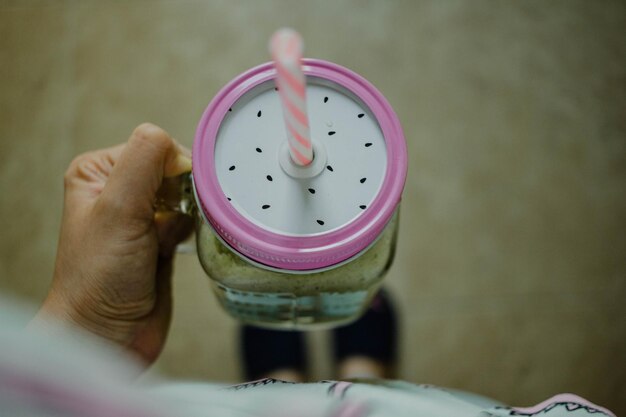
{"x":232,"y":147}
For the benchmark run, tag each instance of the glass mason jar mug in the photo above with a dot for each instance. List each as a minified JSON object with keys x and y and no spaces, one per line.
{"x":287,"y":246}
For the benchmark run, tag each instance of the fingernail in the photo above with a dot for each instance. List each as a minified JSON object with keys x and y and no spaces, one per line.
{"x":180,"y":165}
{"x":184,"y":150}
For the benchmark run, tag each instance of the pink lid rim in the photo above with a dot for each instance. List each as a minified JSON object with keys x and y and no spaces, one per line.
{"x":298,"y":252}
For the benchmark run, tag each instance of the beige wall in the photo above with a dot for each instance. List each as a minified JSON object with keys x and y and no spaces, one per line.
{"x":511,"y":270}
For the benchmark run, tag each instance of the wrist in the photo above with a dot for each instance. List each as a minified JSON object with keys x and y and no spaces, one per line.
{"x":57,"y":310}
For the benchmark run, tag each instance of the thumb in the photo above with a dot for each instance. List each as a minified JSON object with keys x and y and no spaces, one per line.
{"x":149,"y":155}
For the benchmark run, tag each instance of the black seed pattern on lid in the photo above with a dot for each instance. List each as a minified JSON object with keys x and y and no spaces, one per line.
{"x":269,"y":178}
{"x":368,"y":144}
{"x":362,"y":180}
{"x":230,"y":109}
{"x":228,"y":198}
{"x":232,"y":168}
{"x":332,"y":132}
{"x":258,"y":114}
{"x":362,"y":206}
{"x":320,"y":222}
{"x":325,"y":99}
{"x":361,"y":115}
{"x":328,"y":167}
{"x":275,"y":88}
{"x":265,"y":206}
{"x":312,"y":190}
{"x":259,"y":150}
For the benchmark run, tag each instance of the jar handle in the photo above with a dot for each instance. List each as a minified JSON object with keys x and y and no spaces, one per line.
{"x":176,"y":195}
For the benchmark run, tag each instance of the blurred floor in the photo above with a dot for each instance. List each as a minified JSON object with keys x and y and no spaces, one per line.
{"x":511,"y":270}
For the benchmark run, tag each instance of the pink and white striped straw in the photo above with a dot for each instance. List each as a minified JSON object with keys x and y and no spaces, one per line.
{"x":286,"y":49}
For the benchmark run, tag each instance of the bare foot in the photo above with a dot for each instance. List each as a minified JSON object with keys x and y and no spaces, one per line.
{"x":291,"y":375}
{"x":362,"y":367}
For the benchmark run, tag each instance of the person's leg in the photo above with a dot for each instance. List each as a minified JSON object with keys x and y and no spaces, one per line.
{"x":367,"y":348}
{"x":362,"y":367}
{"x":287,"y":374}
{"x":273,"y":354}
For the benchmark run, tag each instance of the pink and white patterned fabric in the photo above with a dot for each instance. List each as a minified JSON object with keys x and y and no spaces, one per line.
{"x":59,"y":372}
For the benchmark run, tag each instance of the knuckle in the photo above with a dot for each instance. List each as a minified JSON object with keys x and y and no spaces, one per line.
{"x":123,"y":217}
{"x":110,"y":203}
{"x":112,"y":206}
{"x":76,"y":168}
{"x":146,"y":128}
{"x":151,"y":135}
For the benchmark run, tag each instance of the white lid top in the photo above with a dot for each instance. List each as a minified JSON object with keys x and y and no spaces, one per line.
{"x":255,"y":172}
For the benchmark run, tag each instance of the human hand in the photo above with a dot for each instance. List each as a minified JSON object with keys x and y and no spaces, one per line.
{"x":114,"y":259}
